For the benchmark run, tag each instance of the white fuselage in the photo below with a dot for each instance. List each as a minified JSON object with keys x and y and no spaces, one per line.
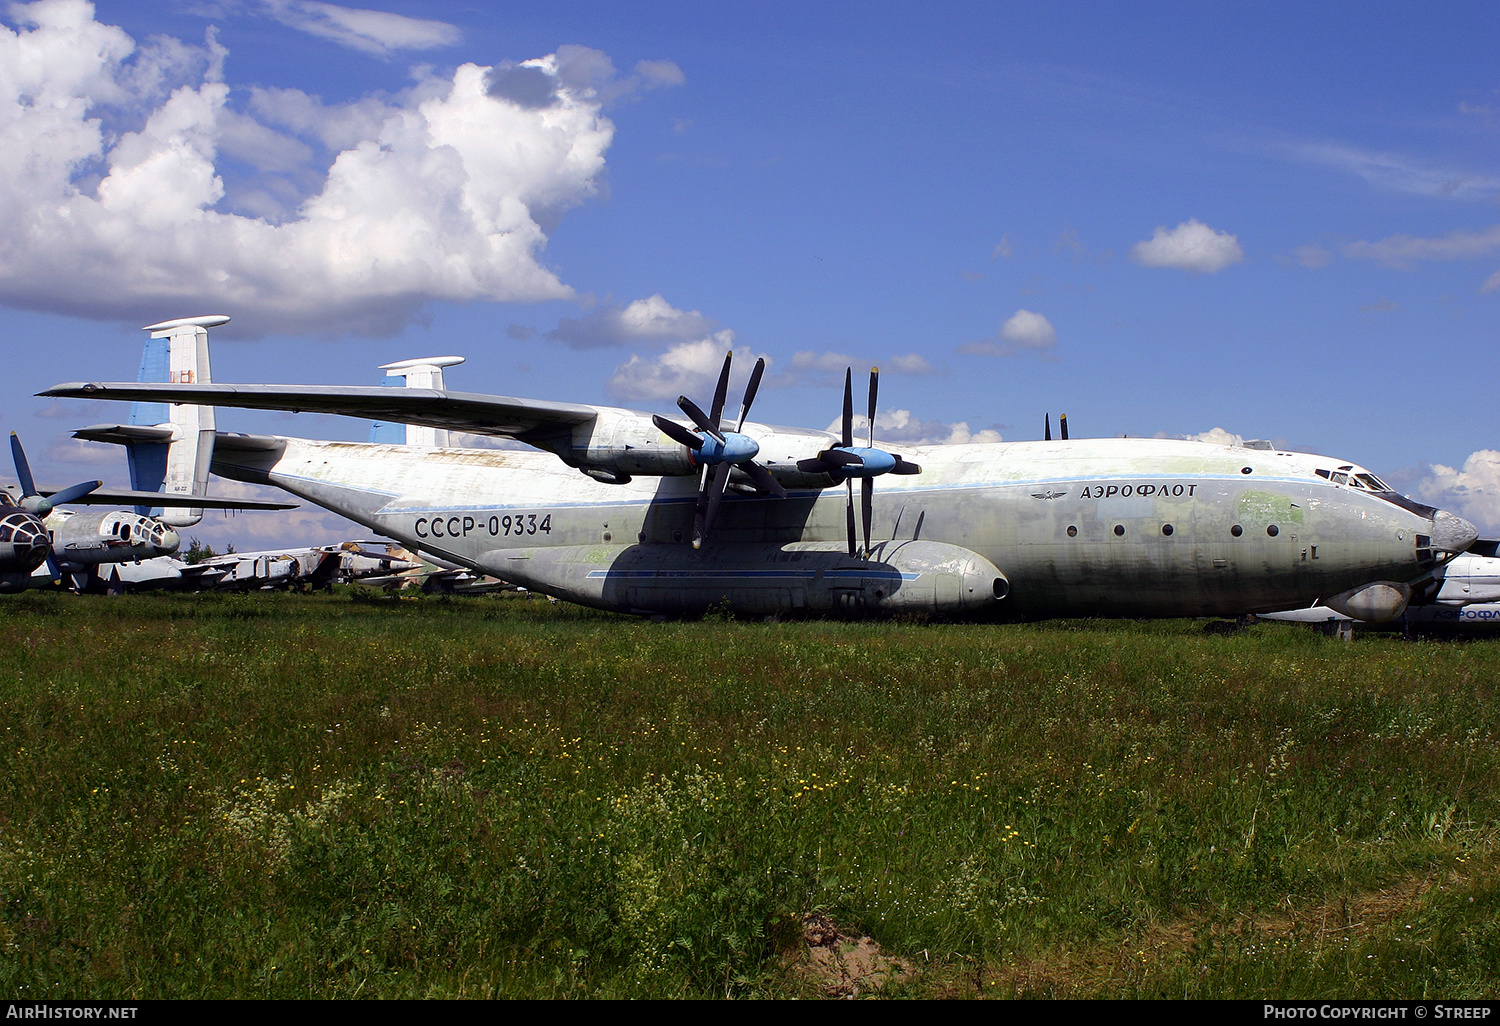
{"x":1136,"y":527}
{"x":81,"y":540}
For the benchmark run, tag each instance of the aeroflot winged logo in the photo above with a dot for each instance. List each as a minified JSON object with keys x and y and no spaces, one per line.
{"x":1048,"y":494}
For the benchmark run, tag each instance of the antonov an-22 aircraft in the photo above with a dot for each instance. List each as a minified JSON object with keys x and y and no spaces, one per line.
{"x":626,"y":511}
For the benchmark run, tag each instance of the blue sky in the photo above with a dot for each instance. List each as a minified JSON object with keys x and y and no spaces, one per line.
{"x":1273,"y":221}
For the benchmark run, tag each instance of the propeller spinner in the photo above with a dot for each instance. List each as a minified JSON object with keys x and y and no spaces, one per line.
{"x":717,"y":450}
{"x":847,"y":461}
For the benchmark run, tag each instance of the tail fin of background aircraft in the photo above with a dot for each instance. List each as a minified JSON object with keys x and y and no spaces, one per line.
{"x":174,"y":444}
{"x":423,"y":373}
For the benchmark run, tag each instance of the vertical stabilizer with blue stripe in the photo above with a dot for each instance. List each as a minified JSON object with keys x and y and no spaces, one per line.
{"x":176,"y":352}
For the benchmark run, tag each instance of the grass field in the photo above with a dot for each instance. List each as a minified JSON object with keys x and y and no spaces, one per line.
{"x":338,"y":796}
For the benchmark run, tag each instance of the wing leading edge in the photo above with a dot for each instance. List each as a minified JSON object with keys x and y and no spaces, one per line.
{"x":463,"y":411}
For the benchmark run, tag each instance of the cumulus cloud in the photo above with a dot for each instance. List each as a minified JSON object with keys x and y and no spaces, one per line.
{"x":913,"y":364}
{"x":899,"y":427}
{"x":373,"y":32}
{"x":1473,"y":491}
{"x":1191,"y":246}
{"x":1025,"y":331}
{"x":114,"y":202}
{"x":645,"y":320}
{"x":809,"y":367}
{"x":582,"y":70}
{"x":1217,"y":435}
{"x":688,"y":368}
{"x":1401,"y":251}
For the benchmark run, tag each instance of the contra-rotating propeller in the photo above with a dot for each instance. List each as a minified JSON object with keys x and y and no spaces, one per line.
{"x":33,"y":501}
{"x":1062,"y":420}
{"x":720,"y":450}
{"x":847,"y":461}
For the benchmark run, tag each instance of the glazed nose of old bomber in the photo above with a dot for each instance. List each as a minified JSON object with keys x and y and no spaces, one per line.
{"x":1452,"y":533}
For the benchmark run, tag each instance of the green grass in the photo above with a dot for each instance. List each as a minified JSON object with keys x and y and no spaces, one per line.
{"x":294,"y":796}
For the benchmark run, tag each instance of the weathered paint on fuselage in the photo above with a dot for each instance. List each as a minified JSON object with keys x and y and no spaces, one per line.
{"x":1082,"y":527}
{"x":82,"y":540}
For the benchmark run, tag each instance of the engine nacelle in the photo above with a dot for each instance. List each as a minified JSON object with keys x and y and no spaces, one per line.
{"x":1373,"y":603}
{"x":620,"y":444}
{"x":814,"y":578}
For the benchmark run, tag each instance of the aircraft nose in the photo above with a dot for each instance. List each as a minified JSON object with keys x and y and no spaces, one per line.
{"x":169,"y":542}
{"x":1452,"y":533}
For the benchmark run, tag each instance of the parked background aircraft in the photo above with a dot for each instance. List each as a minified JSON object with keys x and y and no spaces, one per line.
{"x":603,"y":514}
{"x":1463,"y":594}
{"x":309,"y":567}
{"x":84,"y":550}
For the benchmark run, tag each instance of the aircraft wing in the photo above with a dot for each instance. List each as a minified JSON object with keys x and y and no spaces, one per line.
{"x":605,"y":442}
{"x":522,"y":419}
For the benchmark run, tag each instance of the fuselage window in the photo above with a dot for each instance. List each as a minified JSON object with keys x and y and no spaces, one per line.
{"x":1072,"y":531}
{"x":1236,"y":530}
{"x":1119,"y":530}
{"x":1166,"y":529}
{"x":1273,"y":530}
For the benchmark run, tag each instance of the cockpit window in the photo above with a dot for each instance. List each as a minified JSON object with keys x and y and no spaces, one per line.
{"x":1373,"y":483}
{"x":1340,"y":478}
{"x":6,"y":500}
{"x":1323,"y":473}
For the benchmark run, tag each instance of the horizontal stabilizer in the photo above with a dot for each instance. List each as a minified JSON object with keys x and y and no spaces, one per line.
{"x":130,"y":497}
{"x":125,"y":434}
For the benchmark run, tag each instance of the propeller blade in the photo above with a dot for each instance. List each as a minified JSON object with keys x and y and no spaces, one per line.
{"x":67,"y":495}
{"x":763,"y":479}
{"x":677,"y":432}
{"x":1047,"y":427}
{"x":716,"y":495}
{"x":708,"y":503}
{"x":829,"y":461}
{"x":905,"y":467}
{"x":750,"y":390}
{"x":867,"y":503}
{"x":848,"y":439}
{"x":1062,"y":421}
{"x":700,"y":509}
{"x":23,"y":469}
{"x":710,"y":427}
{"x":874,"y":387}
{"x":721,"y":391}
{"x":849,"y":514}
